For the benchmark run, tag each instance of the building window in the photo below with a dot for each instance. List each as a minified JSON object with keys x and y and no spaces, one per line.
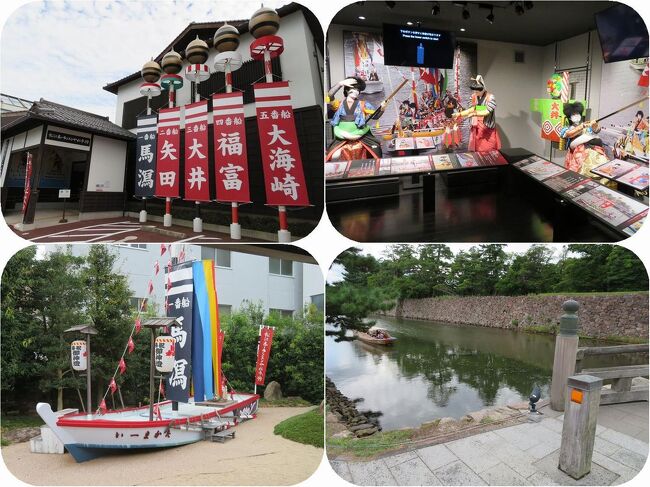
{"x":318,"y":301}
{"x":282,"y":312}
{"x":280,"y":267}
{"x":225,"y":309}
{"x":223,"y":258}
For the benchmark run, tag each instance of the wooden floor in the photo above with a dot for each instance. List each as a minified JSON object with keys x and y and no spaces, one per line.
{"x":491,"y":212}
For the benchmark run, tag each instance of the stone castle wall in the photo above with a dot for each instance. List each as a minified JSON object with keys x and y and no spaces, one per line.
{"x":600,"y":316}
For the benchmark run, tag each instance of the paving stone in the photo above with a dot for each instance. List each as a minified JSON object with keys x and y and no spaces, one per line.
{"x":341,"y":469}
{"x":605,"y":447}
{"x":475,"y":452}
{"x":613,"y":465}
{"x":374,"y":472}
{"x":598,"y":475}
{"x":625,"y":441}
{"x":630,"y":458}
{"x":540,"y":478}
{"x":414,"y":472}
{"x":542,"y":434}
{"x":501,"y":474}
{"x":521,"y":435}
{"x":457,"y":473}
{"x":541,"y":450}
{"x":552,"y":424}
{"x":436,"y":456}
{"x":393,"y":460}
{"x":516,"y":459}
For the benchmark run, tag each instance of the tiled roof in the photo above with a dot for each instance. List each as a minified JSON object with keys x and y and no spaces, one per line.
{"x":49,"y":111}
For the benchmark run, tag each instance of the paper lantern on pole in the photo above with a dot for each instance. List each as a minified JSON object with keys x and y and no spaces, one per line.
{"x":197,"y":51}
{"x":164,"y":349}
{"x":226,"y":39}
{"x":151,"y":71}
{"x":172,"y":63}
{"x":79,"y":355}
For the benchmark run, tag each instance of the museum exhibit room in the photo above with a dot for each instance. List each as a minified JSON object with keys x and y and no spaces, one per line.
{"x":487,"y":121}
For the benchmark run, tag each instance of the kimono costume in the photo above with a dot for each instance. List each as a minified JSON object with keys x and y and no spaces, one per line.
{"x":353,"y":120}
{"x":584,"y":157}
{"x":483,"y":135}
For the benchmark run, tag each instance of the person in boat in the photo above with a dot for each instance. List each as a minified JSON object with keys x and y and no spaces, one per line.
{"x":483,"y":135}
{"x":349,"y":122}
{"x":585,"y":149}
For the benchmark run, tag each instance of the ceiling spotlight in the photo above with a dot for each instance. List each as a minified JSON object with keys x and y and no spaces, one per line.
{"x":462,"y":29}
{"x":519,"y":9}
{"x":435,"y":10}
{"x":490,"y":17}
{"x":465,"y":13}
{"x":528,"y":5}
{"x":361,"y":17}
{"x":390,"y":5}
{"x":409,"y":23}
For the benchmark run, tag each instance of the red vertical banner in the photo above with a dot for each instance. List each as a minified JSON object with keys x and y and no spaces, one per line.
{"x":284,"y":178}
{"x":28,"y":182}
{"x":230,"y":158}
{"x":168,"y":148}
{"x":197,"y":187}
{"x":263,"y":352}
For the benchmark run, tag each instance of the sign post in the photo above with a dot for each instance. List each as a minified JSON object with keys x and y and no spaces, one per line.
{"x":64,"y":194}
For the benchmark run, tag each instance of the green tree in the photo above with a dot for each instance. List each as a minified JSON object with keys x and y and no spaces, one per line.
{"x":531,"y":272}
{"x":477,"y":271}
{"x":625,"y":271}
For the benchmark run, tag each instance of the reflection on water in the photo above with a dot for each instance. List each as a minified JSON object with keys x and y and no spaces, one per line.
{"x":436,"y":370}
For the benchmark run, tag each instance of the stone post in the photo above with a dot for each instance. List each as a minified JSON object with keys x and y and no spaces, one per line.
{"x":566,"y":348}
{"x":579,"y":428}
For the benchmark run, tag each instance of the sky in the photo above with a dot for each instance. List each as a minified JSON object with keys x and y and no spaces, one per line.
{"x":335,"y":272}
{"x":66,"y":51}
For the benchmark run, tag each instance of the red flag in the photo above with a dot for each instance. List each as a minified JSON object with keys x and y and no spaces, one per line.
{"x":263,"y":352}
{"x":156,"y":411}
{"x":181,"y":255}
{"x":122,"y":365}
{"x":161,"y":389}
{"x":156,"y":268}
{"x":150,"y":290}
{"x":168,"y":151}
{"x":102,"y":406}
{"x":113,"y":385}
{"x":197,"y":186}
{"x":427,"y":76}
{"x":169,"y":266}
{"x":230,"y":156}
{"x":163,"y":249}
{"x":166,"y":304}
{"x":138,"y":326}
{"x":643,"y":80}
{"x":131,"y":345}
{"x":284,"y":178}
{"x":169,"y":282}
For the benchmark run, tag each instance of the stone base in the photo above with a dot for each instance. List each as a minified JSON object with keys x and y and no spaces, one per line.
{"x":284,"y":236}
{"x":167,"y":220}
{"x":197,"y":225}
{"x":143,"y":216}
{"x":235,"y":231}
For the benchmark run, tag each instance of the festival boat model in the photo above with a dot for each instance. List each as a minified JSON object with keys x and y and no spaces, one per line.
{"x":189,"y":358}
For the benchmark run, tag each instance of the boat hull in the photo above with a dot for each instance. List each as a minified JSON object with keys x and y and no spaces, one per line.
{"x":364,"y":337}
{"x":89,"y":436}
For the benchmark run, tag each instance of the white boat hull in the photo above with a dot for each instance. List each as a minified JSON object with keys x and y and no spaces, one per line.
{"x":88,"y":436}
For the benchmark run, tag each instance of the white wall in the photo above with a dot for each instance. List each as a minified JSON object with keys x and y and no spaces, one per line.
{"x":107,"y":162}
{"x":298,"y":64}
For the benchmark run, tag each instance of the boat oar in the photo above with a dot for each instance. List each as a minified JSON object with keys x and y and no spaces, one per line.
{"x":390,"y":97}
{"x":621,"y":109}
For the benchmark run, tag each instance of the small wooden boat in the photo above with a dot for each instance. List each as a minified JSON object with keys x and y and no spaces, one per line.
{"x":366,"y":338}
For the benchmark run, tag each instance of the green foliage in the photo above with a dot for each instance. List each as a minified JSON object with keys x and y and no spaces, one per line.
{"x":306,"y":428}
{"x":381,"y":442}
{"x":478,"y":271}
{"x":296,"y":360}
{"x":529,"y":272}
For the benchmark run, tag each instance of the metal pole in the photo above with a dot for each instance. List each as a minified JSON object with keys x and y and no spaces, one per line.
{"x":88,"y":381}
{"x":151,"y":372}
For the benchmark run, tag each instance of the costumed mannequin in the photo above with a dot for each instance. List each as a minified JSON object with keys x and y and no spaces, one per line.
{"x":353,"y":138}
{"x":483,"y":135}
{"x":585,"y":149}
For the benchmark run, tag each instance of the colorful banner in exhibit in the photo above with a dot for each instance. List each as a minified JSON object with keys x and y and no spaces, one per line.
{"x":230,"y":157}
{"x":145,"y":156}
{"x":206,"y":358}
{"x":197,"y":187}
{"x":284,"y":178}
{"x":168,"y":153}
{"x":263,"y":352}
{"x":180,"y":302}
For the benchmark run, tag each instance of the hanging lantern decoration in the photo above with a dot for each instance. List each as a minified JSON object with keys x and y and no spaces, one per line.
{"x":79,"y":355}
{"x":172,"y":64}
{"x":150,"y":72}
{"x":226,"y":39}
{"x":264,"y":22}
{"x":164,"y":350}
{"x":196,"y":51}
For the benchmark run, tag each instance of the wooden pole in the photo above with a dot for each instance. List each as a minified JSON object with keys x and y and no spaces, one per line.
{"x":88,"y":381}
{"x":151,"y":372}
{"x":566,"y":348}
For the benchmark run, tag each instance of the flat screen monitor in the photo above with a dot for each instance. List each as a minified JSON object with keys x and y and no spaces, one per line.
{"x":417,"y":47}
{"x":622,"y":32}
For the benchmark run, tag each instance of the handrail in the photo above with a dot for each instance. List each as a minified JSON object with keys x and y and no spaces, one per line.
{"x":611,"y":350}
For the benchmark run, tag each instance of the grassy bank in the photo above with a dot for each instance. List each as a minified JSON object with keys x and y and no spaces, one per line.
{"x":372,"y":445}
{"x":306,"y":428}
{"x":285,"y":402}
{"x":10,"y":426}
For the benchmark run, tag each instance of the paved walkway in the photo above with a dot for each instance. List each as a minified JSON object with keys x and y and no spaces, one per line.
{"x":525,"y":454}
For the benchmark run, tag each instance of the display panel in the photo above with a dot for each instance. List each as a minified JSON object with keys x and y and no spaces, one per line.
{"x":622,"y":32}
{"x":418,"y":47}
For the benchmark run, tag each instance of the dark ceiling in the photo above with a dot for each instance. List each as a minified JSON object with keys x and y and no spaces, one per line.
{"x":543,"y":24}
